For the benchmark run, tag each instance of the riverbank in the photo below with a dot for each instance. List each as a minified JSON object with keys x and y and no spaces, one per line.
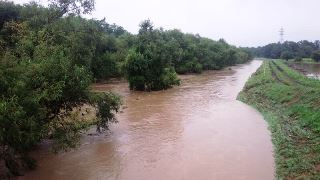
{"x":197,"y":130}
{"x":289,"y":102}
{"x":304,"y":61}
{"x":309,"y":70}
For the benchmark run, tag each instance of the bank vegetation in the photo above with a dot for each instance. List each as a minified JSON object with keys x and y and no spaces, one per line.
{"x":290,"y":103}
{"x":49,"y":56}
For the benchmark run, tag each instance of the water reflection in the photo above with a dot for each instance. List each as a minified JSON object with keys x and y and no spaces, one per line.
{"x":310,"y":70}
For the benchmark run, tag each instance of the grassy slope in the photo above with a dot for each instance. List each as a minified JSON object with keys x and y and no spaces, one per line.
{"x":305,"y":61}
{"x":290,"y":102}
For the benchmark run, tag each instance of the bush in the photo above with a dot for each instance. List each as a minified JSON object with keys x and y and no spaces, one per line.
{"x":316,"y":56}
{"x":298,"y":59}
{"x":38,"y":95}
{"x":189,"y":67}
{"x":148,"y":65}
{"x":286,"y":55}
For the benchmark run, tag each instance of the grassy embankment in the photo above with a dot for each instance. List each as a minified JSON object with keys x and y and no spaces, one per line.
{"x":290,"y":102}
{"x":304,"y":61}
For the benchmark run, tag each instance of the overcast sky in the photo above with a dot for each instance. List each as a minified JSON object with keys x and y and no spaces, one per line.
{"x":239,"y":22}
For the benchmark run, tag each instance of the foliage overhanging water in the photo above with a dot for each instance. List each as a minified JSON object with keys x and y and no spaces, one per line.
{"x":195,"y":131}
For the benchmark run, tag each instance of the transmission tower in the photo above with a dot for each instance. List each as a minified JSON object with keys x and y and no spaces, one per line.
{"x":281,"y":35}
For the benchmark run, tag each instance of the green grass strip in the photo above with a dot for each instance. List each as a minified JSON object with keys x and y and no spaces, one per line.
{"x":290,"y":103}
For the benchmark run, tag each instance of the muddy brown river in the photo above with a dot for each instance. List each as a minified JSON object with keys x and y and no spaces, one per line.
{"x":197,"y":130}
{"x":310,"y":70}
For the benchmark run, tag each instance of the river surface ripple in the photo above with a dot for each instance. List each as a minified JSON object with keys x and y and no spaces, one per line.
{"x":196,"y":131}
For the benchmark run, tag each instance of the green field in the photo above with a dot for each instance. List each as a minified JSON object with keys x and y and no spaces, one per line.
{"x":290,"y":103}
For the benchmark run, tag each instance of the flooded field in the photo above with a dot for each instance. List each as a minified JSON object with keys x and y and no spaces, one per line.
{"x":310,"y":70}
{"x":194,"y":131}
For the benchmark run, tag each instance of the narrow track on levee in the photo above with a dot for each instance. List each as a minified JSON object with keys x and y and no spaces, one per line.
{"x":280,"y":75}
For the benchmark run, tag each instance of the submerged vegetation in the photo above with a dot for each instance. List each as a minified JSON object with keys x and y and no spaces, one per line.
{"x":50,"y":55}
{"x":157,"y":55}
{"x":290,"y":103}
{"x":44,"y":75}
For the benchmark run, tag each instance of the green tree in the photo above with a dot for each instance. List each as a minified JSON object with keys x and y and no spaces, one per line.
{"x":301,"y":49}
{"x":62,"y":7}
{"x":8,"y":12}
{"x":42,"y":82}
{"x":36,"y":100}
{"x":316,"y":56}
{"x":148,"y":66}
{"x":286,"y":55}
{"x":49,"y":56}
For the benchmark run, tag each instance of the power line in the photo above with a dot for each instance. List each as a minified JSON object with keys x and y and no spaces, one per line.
{"x":281,"y":34}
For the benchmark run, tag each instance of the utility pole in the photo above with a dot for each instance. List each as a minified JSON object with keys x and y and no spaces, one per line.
{"x":281,"y":35}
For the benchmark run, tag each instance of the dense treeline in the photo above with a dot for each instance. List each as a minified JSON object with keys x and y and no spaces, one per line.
{"x":158,"y":54}
{"x":288,"y":50}
{"x":50,"y":55}
{"x":45,"y":72}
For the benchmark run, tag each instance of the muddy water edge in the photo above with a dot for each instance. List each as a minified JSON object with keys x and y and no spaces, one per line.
{"x":310,"y":70}
{"x":197,"y":130}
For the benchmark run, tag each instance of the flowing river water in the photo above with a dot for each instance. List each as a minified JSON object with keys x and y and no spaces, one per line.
{"x":197,"y":130}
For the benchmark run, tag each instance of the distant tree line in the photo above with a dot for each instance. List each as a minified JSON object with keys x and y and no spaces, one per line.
{"x":157,"y":55}
{"x":106,"y":50}
{"x":49,"y":56}
{"x":288,"y":50}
